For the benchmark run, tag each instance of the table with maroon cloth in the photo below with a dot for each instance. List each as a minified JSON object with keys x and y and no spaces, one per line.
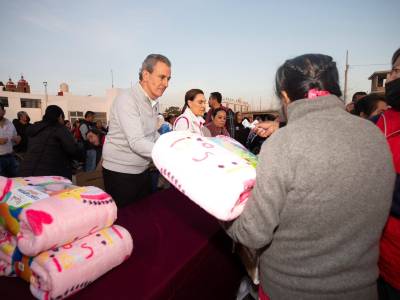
{"x":180,"y":252}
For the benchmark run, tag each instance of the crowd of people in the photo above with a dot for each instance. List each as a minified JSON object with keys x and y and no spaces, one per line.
{"x":51,"y":146}
{"x":325,"y":211}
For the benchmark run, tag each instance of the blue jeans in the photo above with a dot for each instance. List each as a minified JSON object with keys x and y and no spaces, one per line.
{"x":90,"y":163}
{"x":8,"y":165}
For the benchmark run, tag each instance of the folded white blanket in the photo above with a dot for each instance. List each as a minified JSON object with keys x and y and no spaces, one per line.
{"x":216,"y":173}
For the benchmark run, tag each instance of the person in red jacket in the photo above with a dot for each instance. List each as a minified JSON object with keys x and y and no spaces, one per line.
{"x":389,"y":123}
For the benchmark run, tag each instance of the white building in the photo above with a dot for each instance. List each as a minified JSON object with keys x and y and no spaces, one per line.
{"x":74,"y":106}
{"x":237,"y":105}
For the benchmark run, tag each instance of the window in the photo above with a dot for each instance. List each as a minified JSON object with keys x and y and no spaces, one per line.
{"x":381,"y":81}
{"x":75,"y":115}
{"x":30,"y":103}
{"x":79,"y":115}
{"x":4,"y":101}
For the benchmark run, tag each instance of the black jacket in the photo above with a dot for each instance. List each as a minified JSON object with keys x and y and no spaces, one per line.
{"x":241,"y":133}
{"x":21,"y":131}
{"x":51,"y":149}
{"x":89,"y":125}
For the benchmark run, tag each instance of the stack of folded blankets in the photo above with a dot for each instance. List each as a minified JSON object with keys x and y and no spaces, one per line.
{"x":216,"y":173}
{"x":51,"y":231}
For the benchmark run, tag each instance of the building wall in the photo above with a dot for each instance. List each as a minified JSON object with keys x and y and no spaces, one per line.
{"x":236,"y":104}
{"x":14,"y":105}
{"x":68,"y":102}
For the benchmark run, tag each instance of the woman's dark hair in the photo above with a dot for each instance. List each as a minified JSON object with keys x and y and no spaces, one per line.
{"x":309,"y":71}
{"x":216,"y":111}
{"x":368,"y":104}
{"x":53,"y":112}
{"x":236,"y":114}
{"x":97,"y":132}
{"x":189,"y":96}
{"x":396,"y":55}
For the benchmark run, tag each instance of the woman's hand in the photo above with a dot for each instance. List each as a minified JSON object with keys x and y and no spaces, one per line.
{"x":266,"y":128}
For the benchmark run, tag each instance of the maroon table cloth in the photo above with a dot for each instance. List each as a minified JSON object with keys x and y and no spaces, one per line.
{"x":180,"y":252}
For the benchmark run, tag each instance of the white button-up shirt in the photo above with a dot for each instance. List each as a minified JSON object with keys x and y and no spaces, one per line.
{"x":7,"y":131}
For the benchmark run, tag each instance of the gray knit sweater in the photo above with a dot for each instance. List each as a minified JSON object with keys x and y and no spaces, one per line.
{"x":132,"y":132}
{"x":322,"y":196}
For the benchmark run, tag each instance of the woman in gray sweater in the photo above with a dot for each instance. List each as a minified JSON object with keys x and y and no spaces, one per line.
{"x":323,"y":192}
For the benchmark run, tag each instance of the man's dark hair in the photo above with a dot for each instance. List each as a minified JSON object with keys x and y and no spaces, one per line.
{"x":168,"y":118}
{"x":217,"y":96}
{"x":20,"y":114}
{"x":89,"y":113}
{"x":299,"y":75}
{"x":269,"y":117}
{"x":52,"y":114}
{"x":2,"y":106}
{"x":395,"y":56}
{"x":356,"y":94}
{"x":368,"y":104}
{"x":150,"y":61}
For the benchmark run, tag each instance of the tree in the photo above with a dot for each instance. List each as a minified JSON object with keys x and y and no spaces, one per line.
{"x":173,"y":110}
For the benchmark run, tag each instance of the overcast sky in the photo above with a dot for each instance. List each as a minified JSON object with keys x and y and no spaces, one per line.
{"x":231,"y":46}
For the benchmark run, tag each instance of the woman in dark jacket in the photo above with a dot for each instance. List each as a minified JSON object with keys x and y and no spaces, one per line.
{"x":241,"y":132}
{"x":96,"y":138}
{"x":51,"y":147}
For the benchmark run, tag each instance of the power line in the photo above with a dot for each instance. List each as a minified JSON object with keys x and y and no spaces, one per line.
{"x":368,"y":65}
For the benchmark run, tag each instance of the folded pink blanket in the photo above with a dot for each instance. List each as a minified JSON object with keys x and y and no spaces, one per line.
{"x":12,"y":261}
{"x":8,"y":183}
{"x":17,"y":193}
{"x":65,"y":270}
{"x":216,"y":173}
{"x":64,"y":218}
{"x":8,"y":242}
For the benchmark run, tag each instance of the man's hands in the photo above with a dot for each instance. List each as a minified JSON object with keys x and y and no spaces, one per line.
{"x":3,"y":141}
{"x":16,"y":139}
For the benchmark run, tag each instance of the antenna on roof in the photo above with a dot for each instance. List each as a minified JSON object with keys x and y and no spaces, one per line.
{"x":345,"y":76}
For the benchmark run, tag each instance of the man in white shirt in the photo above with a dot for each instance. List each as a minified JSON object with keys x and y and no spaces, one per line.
{"x":8,"y":138}
{"x":90,"y":152}
{"x":133,"y":132}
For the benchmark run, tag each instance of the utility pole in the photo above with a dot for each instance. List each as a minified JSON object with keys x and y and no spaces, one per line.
{"x":346,"y":70}
{"x":46,"y":96}
{"x":260,"y":103}
{"x":112,"y":79}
